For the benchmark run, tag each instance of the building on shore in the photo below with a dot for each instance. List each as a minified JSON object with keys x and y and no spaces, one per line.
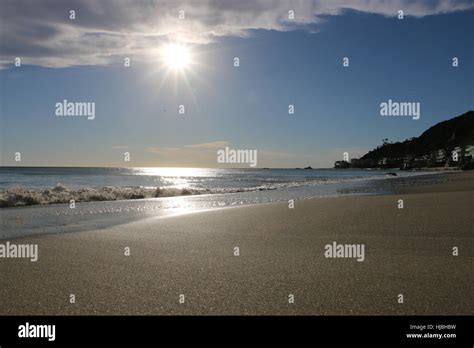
{"x":448,"y":157}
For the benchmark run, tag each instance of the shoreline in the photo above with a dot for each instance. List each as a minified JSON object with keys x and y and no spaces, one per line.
{"x":18,"y":222}
{"x":20,"y":197}
{"x":408,"y":251}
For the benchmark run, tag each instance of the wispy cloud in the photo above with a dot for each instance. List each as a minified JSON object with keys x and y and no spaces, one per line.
{"x":197,"y":155}
{"x":205,"y":155}
{"x":41,"y":33}
{"x":316,"y":159}
{"x":211,"y":146}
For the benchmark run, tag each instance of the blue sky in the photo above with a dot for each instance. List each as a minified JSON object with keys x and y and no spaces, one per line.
{"x":336,"y":108}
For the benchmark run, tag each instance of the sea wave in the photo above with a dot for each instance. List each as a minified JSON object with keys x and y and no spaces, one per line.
{"x":20,"y":196}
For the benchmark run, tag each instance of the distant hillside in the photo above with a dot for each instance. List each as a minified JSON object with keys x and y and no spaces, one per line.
{"x":432,"y":148}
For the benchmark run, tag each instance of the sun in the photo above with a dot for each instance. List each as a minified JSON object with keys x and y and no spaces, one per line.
{"x":176,"y":56}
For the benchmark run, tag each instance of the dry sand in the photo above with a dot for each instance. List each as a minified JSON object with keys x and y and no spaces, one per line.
{"x":407,"y":251}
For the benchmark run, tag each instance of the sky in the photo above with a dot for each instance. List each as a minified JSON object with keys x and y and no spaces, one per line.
{"x":282,"y":62}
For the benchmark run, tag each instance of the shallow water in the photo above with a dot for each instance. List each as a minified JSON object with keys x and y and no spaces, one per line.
{"x":217,"y":180}
{"x":60,"y":218}
{"x":21,"y":186}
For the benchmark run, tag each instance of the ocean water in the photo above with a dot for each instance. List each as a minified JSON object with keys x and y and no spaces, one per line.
{"x":107,"y":196}
{"x":199,"y":179}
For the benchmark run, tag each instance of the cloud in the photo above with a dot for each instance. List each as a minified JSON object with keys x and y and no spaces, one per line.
{"x":211,"y":146}
{"x":205,"y":156}
{"x":317,"y":159}
{"x":196,"y":155}
{"x":41,"y":33}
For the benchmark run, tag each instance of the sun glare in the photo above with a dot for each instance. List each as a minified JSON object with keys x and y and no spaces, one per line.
{"x":176,"y":57}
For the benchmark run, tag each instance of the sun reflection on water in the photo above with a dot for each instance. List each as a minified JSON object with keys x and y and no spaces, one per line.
{"x":172,"y":171}
{"x":179,"y":178}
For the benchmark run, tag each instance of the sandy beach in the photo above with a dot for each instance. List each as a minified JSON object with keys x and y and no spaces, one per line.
{"x":408,"y":251}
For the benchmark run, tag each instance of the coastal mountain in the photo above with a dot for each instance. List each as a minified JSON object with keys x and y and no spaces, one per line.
{"x":448,"y":143}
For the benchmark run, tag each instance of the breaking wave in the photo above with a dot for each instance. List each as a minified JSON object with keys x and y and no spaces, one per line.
{"x":20,"y":196}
